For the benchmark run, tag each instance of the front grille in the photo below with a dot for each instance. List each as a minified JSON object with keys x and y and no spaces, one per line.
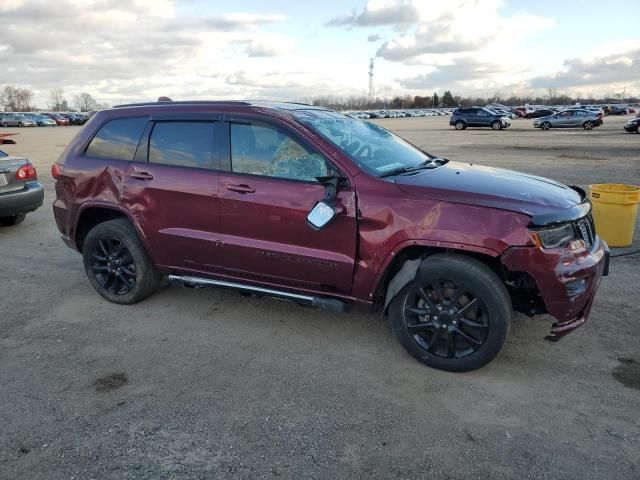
{"x":586,"y":230}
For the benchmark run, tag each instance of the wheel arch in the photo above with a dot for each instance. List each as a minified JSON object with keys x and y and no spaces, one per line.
{"x":93,"y":214}
{"x":401,"y":266}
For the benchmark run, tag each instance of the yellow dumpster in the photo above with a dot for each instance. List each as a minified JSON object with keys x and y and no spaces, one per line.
{"x":615,"y":207}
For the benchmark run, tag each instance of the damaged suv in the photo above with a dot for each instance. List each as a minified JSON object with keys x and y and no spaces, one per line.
{"x":306,"y":204}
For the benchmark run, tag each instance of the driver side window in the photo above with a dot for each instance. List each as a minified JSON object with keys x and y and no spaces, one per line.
{"x":267,"y":151}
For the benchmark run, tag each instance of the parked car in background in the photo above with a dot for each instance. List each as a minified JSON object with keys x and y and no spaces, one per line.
{"x":478,"y":117}
{"x":16,"y":120}
{"x":633,"y":125}
{"x":617,"y":110}
{"x":20,"y":191}
{"x":42,"y":120}
{"x":59,"y":119}
{"x":542,"y":112}
{"x":448,"y":249}
{"x":569,"y":119}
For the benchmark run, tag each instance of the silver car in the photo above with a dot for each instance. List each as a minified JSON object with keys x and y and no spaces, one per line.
{"x":16,"y":120}
{"x":569,"y":119}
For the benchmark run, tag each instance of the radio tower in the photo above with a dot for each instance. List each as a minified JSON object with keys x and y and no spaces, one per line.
{"x":371,"y":93}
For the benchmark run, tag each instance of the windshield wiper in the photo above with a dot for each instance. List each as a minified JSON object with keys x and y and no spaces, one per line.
{"x":426,"y":165}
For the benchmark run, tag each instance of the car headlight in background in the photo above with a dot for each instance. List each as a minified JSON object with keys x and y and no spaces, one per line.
{"x":555,"y":237}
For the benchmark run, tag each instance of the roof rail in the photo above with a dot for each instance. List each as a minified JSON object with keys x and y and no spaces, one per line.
{"x":184,"y":102}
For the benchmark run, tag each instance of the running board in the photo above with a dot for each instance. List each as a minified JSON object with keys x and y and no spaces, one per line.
{"x":330,"y":304}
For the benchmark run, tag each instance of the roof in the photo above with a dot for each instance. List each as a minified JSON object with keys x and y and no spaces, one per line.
{"x":227,"y":103}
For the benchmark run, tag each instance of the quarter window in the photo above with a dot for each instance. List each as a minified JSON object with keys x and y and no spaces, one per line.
{"x":185,"y":144}
{"x":117,"y":139}
{"x":264,"y":150}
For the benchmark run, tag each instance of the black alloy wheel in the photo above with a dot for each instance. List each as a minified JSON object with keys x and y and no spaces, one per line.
{"x":454,"y":315}
{"x":113,"y":266}
{"x":545,"y":126}
{"x":588,"y":125}
{"x":447,"y":319}
{"x":117,"y":263}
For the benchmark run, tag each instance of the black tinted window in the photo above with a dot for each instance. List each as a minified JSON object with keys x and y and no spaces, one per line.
{"x":186,"y":144}
{"x":117,"y":139}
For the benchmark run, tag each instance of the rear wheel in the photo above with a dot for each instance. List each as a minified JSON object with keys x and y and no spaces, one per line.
{"x":460,"y":125}
{"x":638,"y":129}
{"x":496,"y":125}
{"x":588,"y":125}
{"x":117,"y":264}
{"x":13,"y":219}
{"x":545,"y":126}
{"x":454,"y":315}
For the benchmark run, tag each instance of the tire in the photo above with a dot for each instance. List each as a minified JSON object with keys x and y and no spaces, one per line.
{"x":4,"y":125}
{"x":496,"y":125}
{"x":638,"y":129}
{"x":482,"y":313}
{"x":13,"y":219}
{"x":117,"y":265}
{"x":545,"y":126}
{"x":20,"y":124}
{"x":588,"y":125}
{"x":460,"y":125}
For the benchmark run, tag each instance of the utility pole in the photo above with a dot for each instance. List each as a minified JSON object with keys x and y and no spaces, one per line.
{"x":371,"y":88}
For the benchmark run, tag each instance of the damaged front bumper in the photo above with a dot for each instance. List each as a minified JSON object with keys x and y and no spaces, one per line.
{"x":567,"y":283}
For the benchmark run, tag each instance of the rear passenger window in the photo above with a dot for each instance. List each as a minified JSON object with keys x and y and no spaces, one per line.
{"x":117,"y":139}
{"x":185,"y":144}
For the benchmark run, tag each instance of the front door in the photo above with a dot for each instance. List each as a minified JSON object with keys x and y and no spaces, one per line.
{"x":265,"y":197}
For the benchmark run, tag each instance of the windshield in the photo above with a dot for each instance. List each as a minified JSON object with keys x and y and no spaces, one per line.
{"x":374,"y":149}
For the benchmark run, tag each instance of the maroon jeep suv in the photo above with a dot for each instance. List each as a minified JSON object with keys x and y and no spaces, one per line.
{"x":307,"y":204}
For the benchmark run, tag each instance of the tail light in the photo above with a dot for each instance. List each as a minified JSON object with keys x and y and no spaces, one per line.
{"x":55,"y":171}
{"x":26,"y":172}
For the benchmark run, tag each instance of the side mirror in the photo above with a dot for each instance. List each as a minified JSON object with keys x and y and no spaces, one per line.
{"x":321,"y":215}
{"x":324,"y":212}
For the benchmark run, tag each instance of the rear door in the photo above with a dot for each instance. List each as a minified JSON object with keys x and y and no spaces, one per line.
{"x":266,"y":193}
{"x":171,"y":188}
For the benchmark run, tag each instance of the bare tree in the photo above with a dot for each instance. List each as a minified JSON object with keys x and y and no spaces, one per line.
{"x":84,"y":102}
{"x":57,"y":102}
{"x":15,"y":99}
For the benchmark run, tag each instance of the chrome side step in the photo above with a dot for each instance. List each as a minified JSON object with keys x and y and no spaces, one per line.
{"x":331,"y":304}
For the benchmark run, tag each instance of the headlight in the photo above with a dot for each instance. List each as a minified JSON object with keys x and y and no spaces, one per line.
{"x":555,"y":237}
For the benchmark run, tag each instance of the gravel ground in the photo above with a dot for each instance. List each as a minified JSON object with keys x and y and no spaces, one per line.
{"x":210,"y":384}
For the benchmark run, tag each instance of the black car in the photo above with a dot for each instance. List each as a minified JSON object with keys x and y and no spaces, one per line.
{"x":615,"y":110}
{"x":478,"y":117}
{"x":633,"y":125}
{"x":543,"y":112}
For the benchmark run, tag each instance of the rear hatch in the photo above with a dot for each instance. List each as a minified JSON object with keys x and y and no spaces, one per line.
{"x":8,"y":167}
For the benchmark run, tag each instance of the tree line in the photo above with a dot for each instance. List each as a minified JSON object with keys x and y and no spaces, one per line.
{"x":448,"y":99}
{"x":17,"y":99}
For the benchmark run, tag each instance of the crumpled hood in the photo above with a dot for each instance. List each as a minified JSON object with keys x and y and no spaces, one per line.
{"x":491,"y":187}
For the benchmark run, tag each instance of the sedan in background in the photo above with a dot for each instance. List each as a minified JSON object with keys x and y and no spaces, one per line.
{"x":569,"y":119}
{"x":633,"y":125}
{"x":16,"y":120}
{"x":543,"y":112}
{"x":20,"y":191}
{"x":59,"y":119}
{"x":42,"y":120}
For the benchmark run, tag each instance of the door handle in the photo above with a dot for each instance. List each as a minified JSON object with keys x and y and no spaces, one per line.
{"x":242,"y":188}
{"x":141,"y":175}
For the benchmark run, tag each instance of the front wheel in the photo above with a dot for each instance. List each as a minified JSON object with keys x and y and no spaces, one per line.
{"x":117,"y":264}
{"x":588,"y":125}
{"x":496,"y":125}
{"x":545,"y":126}
{"x":460,"y":125}
{"x":454,"y":315}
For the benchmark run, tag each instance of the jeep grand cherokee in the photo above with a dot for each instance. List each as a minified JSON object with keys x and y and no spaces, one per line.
{"x":307,"y":204}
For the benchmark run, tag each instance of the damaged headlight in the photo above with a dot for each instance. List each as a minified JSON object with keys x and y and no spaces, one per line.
{"x":555,"y":237}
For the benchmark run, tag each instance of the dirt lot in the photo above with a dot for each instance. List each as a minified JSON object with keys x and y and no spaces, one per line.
{"x":211,"y":384}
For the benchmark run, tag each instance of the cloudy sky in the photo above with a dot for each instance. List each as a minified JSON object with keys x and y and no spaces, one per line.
{"x":134,"y":50}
